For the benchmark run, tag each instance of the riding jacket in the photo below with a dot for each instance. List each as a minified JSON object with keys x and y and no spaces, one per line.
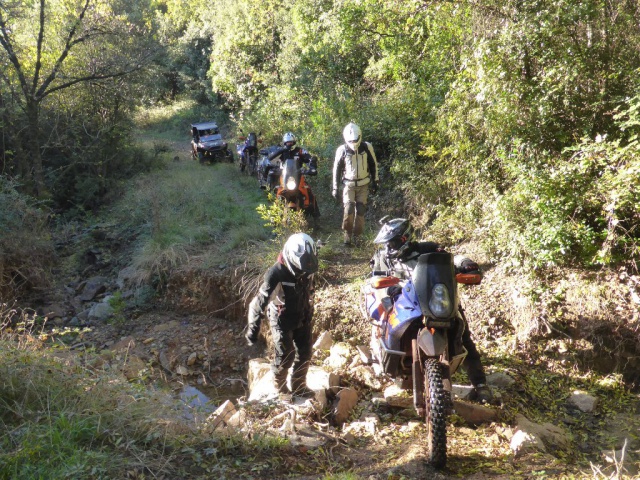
{"x":355,"y":169}
{"x":288,"y":299}
{"x":300,"y":154}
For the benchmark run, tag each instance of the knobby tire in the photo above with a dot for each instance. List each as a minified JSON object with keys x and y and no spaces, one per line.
{"x":435,"y":413}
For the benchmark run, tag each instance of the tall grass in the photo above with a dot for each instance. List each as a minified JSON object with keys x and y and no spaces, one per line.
{"x":190,"y":209}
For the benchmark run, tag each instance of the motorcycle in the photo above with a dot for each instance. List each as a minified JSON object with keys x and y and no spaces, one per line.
{"x":268,"y":171}
{"x":293,"y":190}
{"x":248,"y":153}
{"x":416,"y":338}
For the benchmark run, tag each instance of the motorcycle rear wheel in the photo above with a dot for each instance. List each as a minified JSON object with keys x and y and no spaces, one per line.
{"x":251,"y":165}
{"x":435,"y":413}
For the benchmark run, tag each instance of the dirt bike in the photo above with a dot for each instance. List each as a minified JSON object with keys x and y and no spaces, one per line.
{"x":417,"y":328}
{"x":248,"y":153}
{"x":293,"y":190}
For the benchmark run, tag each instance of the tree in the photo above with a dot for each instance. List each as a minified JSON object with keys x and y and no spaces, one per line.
{"x":76,"y":42}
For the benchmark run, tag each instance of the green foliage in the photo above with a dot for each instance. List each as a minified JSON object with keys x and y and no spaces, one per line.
{"x":281,"y":219}
{"x":118,"y":304}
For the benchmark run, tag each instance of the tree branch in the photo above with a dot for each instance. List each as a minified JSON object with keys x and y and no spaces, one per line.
{"x":5,"y":42}
{"x":88,"y":78}
{"x":42,"y":91}
{"x":36,"y":73}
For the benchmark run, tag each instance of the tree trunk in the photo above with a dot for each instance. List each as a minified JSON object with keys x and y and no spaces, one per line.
{"x":34,"y":142}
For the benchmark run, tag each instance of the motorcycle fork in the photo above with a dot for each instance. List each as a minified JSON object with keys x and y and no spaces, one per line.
{"x":417,"y":371}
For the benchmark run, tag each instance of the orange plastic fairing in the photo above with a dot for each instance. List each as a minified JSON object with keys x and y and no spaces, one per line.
{"x":383,"y":282}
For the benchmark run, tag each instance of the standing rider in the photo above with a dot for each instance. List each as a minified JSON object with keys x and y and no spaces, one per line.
{"x":290,"y":281}
{"x":400,"y":255}
{"x":302,"y":156}
{"x":356,"y":165}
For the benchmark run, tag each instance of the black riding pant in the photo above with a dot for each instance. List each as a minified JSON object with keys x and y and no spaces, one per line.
{"x":292,"y":348}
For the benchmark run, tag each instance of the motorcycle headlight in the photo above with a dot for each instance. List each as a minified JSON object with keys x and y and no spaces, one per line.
{"x":440,"y":301}
{"x":291,"y":183}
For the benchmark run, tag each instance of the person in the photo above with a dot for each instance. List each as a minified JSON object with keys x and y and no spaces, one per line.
{"x":290,"y":281}
{"x":302,"y":156}
{"x":400,"y":255}
{"x":357,"y":167}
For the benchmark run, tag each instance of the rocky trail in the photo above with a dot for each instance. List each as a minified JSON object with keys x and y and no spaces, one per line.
{"x":188,"y":339}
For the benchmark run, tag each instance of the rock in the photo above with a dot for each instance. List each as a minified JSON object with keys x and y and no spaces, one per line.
{"x":584,"y":401}
{"x":320,"y":379}
{"x":192,"y":359}
{"x":461,"y":392}
{"x":164,"y":361}
{"x":523,"y":442}
{"x":367,"y":376}
{"x":620,"y":429}
{"x":100,"y":311}
{"x":365,"y":354}
{"x":346,"y":399}
{"x":221,"y":416}
{"x":124,"y":277}
{"x":397,"y":397}
{"x":548,"y":433}
{"x":125,"y":343}
{"x":133,"y":367}
{"x":182,"y":370}
{"x":74,"y":322}
{"x":238,"y":419}
{"x":149,"y":340}
{"x":500,"y":380}
{"x":324,"y":341}
{"x":165,"y":327}
{"x":93,"y":287}
{"x":340,"y":356}
{"x":475,"y":414}
{"x":54,"y":311}
{"x":258,"y":367}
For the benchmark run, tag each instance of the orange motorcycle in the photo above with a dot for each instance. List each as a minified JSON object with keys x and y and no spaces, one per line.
{"x":293,"y":190}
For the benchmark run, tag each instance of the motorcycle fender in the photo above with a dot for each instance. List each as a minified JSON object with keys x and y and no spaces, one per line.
{"x":432,"y":344}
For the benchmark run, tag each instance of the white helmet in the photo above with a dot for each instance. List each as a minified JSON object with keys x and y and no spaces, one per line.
{"x":352,"y":135}
{"x":289,"y":140}
{"x":300,"y":254}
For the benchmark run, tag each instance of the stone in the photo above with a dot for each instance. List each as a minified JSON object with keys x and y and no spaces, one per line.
{"x":523,"y":442}
{"x":133,"y":366}
{"x":461,"y":392}
{"x":124,"y":277}
{"x":182,"y":370}
{"x":324,"y":341}
{"x":500,"y":380}
{"x":583,"y":401}
{"x":365,"y":354}
{"x":222,"y":415}
{"x":238,"y":419}
{"x":125,"y":343}
{"x":340,"y":356}
{"x":93,"y":287}
{"x":192,"y":359}
{"x":320,"y":379}
{"x":346,"y":400}
{"x":366,"y":375}
{"x":398,"y":397}
{"x":54,"y":311}
{"x":551,"y":435}
{"x":474,"y":413}
{"x":100,"y":311}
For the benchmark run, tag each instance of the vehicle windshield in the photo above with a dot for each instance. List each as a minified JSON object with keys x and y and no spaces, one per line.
{"x":210,"y":137}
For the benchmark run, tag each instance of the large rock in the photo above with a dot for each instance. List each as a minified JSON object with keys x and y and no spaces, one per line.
{"x":320,"y":379}
{"x":551,"y":435}
{"x":101,"y":312}
{"x":133,"y":367}
{"x":475,"y":414}
{"x":500,"y":380}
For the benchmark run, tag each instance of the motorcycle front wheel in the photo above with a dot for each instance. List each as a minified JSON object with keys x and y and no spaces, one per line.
{"x":435,"y":413}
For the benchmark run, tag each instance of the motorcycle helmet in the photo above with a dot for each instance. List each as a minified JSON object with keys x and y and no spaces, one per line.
{"x":352,"y":136}
{"x":396,"y":235}
{"x":300,"y":254}
{"x":289,"y":140}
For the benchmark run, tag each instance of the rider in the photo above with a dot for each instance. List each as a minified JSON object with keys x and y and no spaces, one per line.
{"x":356,"y":165}
{"x":401,"y":256}
{"x":302,"y":156}
{"x":290,"y":312}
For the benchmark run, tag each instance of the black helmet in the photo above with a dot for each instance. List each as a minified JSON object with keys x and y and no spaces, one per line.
{"x":396,"y":234}
{"x":300,"y":254}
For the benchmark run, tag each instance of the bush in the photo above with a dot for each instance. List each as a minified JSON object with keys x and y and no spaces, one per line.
{"x":26,"y":251}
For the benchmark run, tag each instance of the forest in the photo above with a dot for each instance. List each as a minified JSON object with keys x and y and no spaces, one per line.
{"x":509,"y":125}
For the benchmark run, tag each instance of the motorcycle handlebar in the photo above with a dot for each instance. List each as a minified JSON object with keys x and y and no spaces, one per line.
{"x":384,"y":273}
